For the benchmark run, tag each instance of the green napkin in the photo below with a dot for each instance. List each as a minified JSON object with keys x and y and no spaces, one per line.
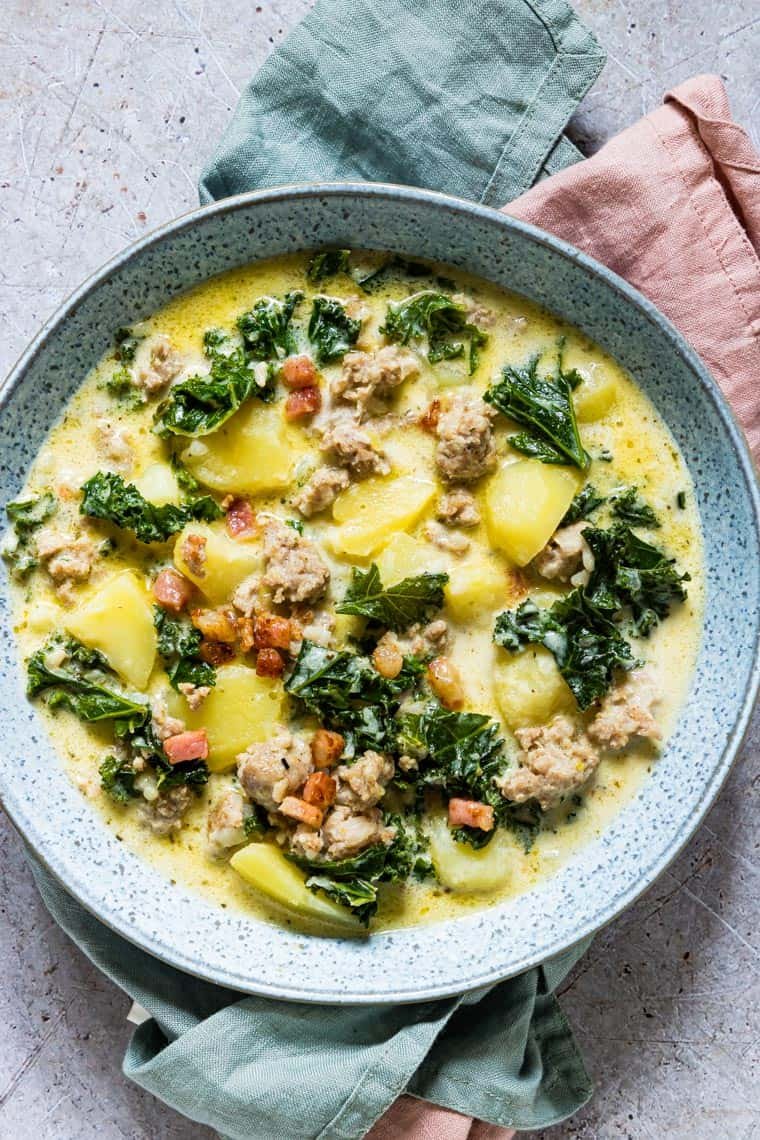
{"x":470,"y":98}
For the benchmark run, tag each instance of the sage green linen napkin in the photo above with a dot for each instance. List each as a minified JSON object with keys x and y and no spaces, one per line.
{"x":469,"y":98}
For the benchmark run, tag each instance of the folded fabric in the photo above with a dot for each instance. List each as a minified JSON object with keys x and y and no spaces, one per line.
{"x":470,"y":99}
{"x":673,"y":205}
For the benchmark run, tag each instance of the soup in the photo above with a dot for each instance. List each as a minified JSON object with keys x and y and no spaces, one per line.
{"x":357,"y":591}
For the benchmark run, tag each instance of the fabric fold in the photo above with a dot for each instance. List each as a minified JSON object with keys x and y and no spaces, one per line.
{"x":469,"y":99}
{"x":673,"y":205}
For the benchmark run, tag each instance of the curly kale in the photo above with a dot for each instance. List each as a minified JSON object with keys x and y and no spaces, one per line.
{"x":327,"y":264}
{"x":349,"y":696}
{"x":395,"y":607}
{"x":331,"y":329}
{"x":631,"y":509}
{"x":355,"y":882}
{"x":266,"y":328}
{"x":25,"y":517}
{"x":107,"y":496}
{"x":179,"y":645}
{"x":583,"y":505}
{"x":584,"y":630}
{"x":438,"y":320}
{"x":544,"y":405}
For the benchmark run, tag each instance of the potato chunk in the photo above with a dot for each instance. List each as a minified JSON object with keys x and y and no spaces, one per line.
{"x":254,"y":452}
{"x":406,"y":557}
{"x":370,"y":513}
{"x":158,"y":484}
{"x":463,"y":869}
{"x":524,"y":504}
{"x":117,"y":620}
{"x":529,"y":689}
{"x":268,"y":871}
{"x":227,"y":561}
{"x":476,"y":587}
{"x":596,"y":395}
{"x":241,"y":709}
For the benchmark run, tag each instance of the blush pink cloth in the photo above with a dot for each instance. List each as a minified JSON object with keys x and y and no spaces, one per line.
{"x":673,"y":205}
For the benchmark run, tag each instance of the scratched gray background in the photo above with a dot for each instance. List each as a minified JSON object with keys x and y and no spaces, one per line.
{"x":108,"y":110}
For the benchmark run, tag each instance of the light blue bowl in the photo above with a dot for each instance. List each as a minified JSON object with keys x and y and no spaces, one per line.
{"x":602,"y":878}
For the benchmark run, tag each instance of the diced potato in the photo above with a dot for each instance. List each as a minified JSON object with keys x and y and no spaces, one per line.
{"x":373,"y":511}
{"x":596,"y":395}
{"x":117,"y":620}
{"x":524,"y":504}
{"x":477,"y":585}
{"x":463,"y":869}
{"x":241,"y":709}
{"x":268,"y":871}
{"x":158,"y":484}
{"x":228,"y":560}
{"x":409,"y":450}
{"x":529,"y":688}
{"x":253,"y":453}
{"x":404,"y":557}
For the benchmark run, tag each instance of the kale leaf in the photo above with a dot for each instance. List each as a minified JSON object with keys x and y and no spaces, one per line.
{"x":348,"y":694}
{"x":25,"y":516}
{"x":583,"y":505}
{"x":126,"y":342}
{"x":201,"y":404}
{"x":354,"y":882}
{"x":545,"y":406}
{"x":107,"y":496}
{"x":438,"y":319}
{"x":371,"y":279}
{"x":266,"y":328}
{"x":331,"y":329}
{"x":395,"y":607}
{"x":460,"y":752}
{"x":587,"y":645}
{"x":583,"y":629}
{"x":120,"y":383}
{"x":631,"y":509}
{"x":117,"y":778}
{"x":327,"y":264}
{"x":83,"y":684}
{"x":79,"y":685}
{"x":630,"y":573}
{"x":179,"y":644}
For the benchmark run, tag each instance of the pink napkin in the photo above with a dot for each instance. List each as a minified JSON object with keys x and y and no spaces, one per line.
{"x":673,"y":205}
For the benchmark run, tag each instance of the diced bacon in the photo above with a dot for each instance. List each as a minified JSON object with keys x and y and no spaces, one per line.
{"x":172,"y":590}
{"x":320,"y":790}
{"x":194,"y":553}
{"x":245,"y":631}
{"x":269,"y":663}
{"x":297,"y":809}
{"x":298,"y":372}
{"x":215,"y":652}
{"x":326,"y":748}
{"x":216,"y":625}
{"x":240,"y":519}
{"x":428,"y":421}
{"x":190,"y":745}
{"x":271,"y":631}
{"x":470,"y":813}
{"x":304,"y":402}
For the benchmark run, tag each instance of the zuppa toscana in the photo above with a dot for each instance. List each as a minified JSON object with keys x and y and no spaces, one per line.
{"x":360,"y":582}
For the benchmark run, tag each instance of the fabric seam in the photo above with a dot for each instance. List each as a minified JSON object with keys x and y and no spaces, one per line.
{"x":557,"y":120}
{"x":735,"y":224}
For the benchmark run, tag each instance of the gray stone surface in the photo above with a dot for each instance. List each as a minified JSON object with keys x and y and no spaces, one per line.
{"x":108,"y":110}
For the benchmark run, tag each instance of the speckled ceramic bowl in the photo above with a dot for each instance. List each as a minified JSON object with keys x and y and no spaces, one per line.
{"x":603,"y":877}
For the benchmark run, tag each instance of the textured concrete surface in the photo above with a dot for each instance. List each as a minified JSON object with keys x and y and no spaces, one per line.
{"x":108,"y":110}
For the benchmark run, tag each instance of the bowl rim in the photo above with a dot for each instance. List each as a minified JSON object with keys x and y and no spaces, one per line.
{"x":442,"y":202}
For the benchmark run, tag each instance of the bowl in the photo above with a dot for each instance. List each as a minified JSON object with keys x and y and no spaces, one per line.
{"x":602,"y":878}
